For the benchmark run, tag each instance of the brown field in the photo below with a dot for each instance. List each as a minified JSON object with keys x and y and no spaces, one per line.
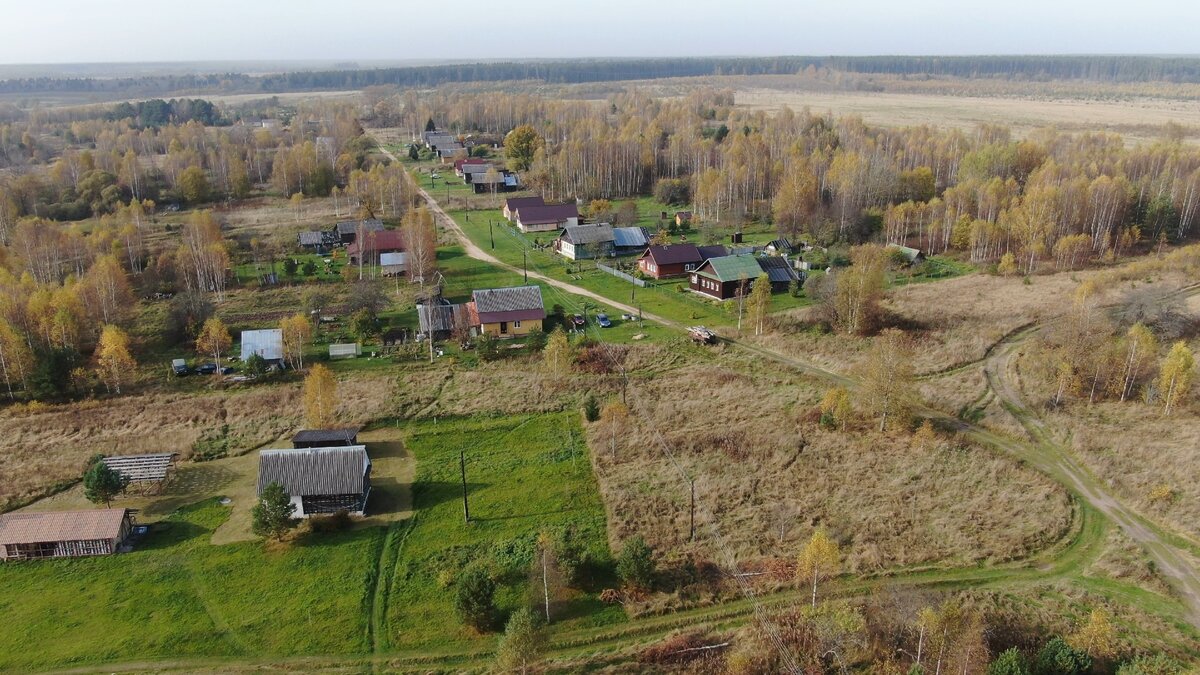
{"x":49,"y":447}
{"x":761,"y":466}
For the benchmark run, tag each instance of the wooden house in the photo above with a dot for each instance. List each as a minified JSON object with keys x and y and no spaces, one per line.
{"x":507,"y":312}
{"x":319,"y":479}
{"x":374,"y":245}
{"x":630,"y":240}
{"x":512,"y":204}
{"x":547,"y":218}
{"x":725,"y":277}
{"x":584,"y":242}
{"x":63,"y":534}
{"x":683,"y":217}
{"x":347,"y":231}
{"x":675,"y":260}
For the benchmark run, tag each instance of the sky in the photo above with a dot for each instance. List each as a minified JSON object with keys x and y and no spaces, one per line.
{"x":97,"y":31}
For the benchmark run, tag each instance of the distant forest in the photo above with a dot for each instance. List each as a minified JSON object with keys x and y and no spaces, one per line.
{"x":1097,"y":68}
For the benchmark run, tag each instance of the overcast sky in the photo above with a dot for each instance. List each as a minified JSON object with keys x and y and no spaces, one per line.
{"x":73,"y":31}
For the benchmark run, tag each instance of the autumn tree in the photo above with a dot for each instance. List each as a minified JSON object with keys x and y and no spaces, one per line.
{"x":558,"y":354}
{"x":523,"y":643}
{"x":818,"y":561}
{"x":795,"y":201}
{"x":520,"y":146}
{"x":1007,"y":265}
{"x":297,"y":331}
{"x":1140,"y":349}
{"x":1175,"y":376}
{"x":107,"y":290}
{"x":887,"y":378}
{"x":836,"y":407}
{"x":214,"y":339}
{"x":194,"y":186}
{"x":759,"y":303}
{"x":320,"y":397}
{"x":853,"y":303}
{"x":114,"y":360}
{"x":1097,"y":638}
{"x":16,"y":357}
{"x":420,"y":238}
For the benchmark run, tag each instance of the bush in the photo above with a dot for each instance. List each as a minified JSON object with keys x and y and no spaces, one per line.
{"x":310,"y":268}
{"x":474,"y":599}
{"x":1059,"y":658}
{"x":256,"y":365}
{"x":289,"y":266}
{"x":488,"y":347}
{"x":673,"y":191}
{"x":635,"y":564}
{"x":1008,"y":662}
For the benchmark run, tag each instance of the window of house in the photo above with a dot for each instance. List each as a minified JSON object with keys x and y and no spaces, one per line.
{"x":516,"y":324}
{"x":693,"y":278}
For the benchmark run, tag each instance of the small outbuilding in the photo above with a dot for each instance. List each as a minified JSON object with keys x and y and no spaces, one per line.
{"x":325,"y":438}
{"x":319,"y":479}
{"x":267,"y":343}
{"x":63,"y":534}
{"x":394,"y":264}
{"x":347,"y":231}
{"x":345,"y":350}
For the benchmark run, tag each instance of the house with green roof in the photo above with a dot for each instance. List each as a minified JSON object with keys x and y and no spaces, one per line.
{"x":722,"y":278}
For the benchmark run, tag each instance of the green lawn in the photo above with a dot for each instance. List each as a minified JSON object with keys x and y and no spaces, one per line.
{"x":526,"y":474}
{"x":178,"y":596}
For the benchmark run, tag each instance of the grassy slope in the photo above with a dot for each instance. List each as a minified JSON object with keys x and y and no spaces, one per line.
{"x":527,"y":474}
{"x":178,"y":596}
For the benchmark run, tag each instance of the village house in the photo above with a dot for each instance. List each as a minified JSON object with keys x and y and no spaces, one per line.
{"x":584,"y":242}
{"x":728,"y":276}
{"x":547,"y":218}
{"x":346,"y":231}
{"x":674,"y":260}
{"x":319,"y":479}
{"x":501,"y":181}
{"x":375,"y":244}
{"x":512,"y":204}
{"x":267,"y":343}
{"x":63,"y":534}
{"x":507,"y":312}
{"x":911,"y":256}
{"x":319,"y":241}
{"x":630,"y":240}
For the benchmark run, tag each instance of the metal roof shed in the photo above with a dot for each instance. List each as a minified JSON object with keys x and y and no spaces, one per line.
{"x":267,"y":343}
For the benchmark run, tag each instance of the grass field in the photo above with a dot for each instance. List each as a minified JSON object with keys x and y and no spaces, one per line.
{"x":177,"y":596}
{"x":526,"y":474}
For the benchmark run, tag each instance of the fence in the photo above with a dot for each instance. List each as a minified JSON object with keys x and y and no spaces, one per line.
{"x":621,"y":275}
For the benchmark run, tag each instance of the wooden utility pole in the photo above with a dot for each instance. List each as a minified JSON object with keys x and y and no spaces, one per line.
{"x":462,"y":466}
{"x":525,"y":264}
{"x":692,"y":483}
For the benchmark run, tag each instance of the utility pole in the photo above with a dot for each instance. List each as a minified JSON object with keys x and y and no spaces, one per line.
{"x":693,"y":523}
{"x":525,"y":264}
{"x":491,"y":235}
{"x":462,"y":466}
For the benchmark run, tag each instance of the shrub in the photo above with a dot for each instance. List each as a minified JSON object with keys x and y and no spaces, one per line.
{"x":289,"y":266}
{"x":1009,"y":662}
{"x":474,"y":599}
{"x":1059,"y":658}
{"x":635,"y":564}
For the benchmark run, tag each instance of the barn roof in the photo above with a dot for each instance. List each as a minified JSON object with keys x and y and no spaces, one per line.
{"x":314,"y":471}
{"x":141,"y":467}
{"x":330,"y":436}
{"x":382,"y":240}
{"x":630,"y":237}
{"x":519,"y":303}
{"x":267,"y":343}
{"x":351,"y":226}
{"x":312,"y":238}
{"x":34,"y":528}
{"x":779,"y":270}
{"x":673,"y":254}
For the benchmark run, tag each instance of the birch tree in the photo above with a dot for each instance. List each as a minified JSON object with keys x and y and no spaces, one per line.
{"x":818,"y":561}
{"x":888,"y":381}
{"x":1175,"y":376}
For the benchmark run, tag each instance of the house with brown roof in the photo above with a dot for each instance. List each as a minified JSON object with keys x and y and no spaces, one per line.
{"x":375,"y":244}
{"x":547,"y":218}
{"x":507,"y":312}
{"x":512,"y":204}
{"x":675,"y":260}
{"x":63,"y":534}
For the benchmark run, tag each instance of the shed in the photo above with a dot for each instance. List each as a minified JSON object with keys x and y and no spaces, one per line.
{"x":347,"y":350}
{"x":325,"y":438}
{"x":628,"y":240}
{"x":267,"y":343}
{"x":63,"y":534}
{"x":912,"y":256}
{"x":319,"y":479}
{"x":441,"y":320}
{"x":142,"y":468}
{"x":393,"y":264}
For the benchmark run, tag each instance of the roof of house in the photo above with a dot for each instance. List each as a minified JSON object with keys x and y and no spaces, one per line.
{"x":141,"y":467}
{"x":34,"y":528}
{"x":673,"y":254}
{"x":315,"y":471}
{"x":267,"y":343}
{"x":630,"y":237}
{"x":910,"y":254}
{"x":383,"y":240}
{"x":547,"y":213}
{"x":351,"y":226}
{"x":441,"y":317}
{"x":779,"y":270}
{"x":312,"y":238}
{"x":326,"y":435}
{"x":481,"y":177}
{"x":519,"y":303}
{"x":780,"y":244}
{"x":398,"y":258}
{"x":587,"y":234}
{"x":713,"y":251}
{"x":514,"y":203}
{"x":731,"y":268}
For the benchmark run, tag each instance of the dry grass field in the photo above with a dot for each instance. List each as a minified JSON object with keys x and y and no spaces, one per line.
{"x":765,"y":476}
{"x":49,"y":447}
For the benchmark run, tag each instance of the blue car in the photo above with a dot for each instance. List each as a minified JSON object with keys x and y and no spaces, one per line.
{"x":603,"y":320}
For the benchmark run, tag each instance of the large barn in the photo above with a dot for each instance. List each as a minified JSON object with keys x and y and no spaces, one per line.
{"x":319,"y":480}
{"x":63,"y":534}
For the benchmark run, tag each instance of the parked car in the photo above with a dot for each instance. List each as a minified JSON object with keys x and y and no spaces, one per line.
{"x":577,"y":320}
{"x":702,"y":335}
{"x":603,"y":320}
{"x":206,"y":368}
{"x":226,"y":370}
{"x":179,"y":367}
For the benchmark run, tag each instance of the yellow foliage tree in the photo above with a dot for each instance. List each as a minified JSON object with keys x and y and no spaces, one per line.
{"x":1008,"y":265}
{"x":556,"y":357}
{"x":320,"y":397}
{"x":1097,"y":637}
{"x":819,"y":560}
{"x":115,"y":361}
{"x":1175,"y":376}
{"x":836,"y":404}
{"x":297,"y":330}
{"x":214,"y":339}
